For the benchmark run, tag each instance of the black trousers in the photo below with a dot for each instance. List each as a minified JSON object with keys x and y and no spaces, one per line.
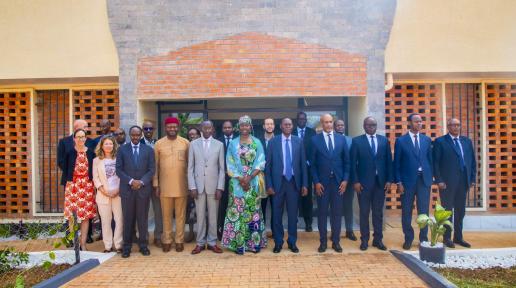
{"x":454,"y":198}
{"x":223,"y":206}
{"x":269,"y":199}
{"x":371,"y":199}
{"x":306,"y":205}
{"x":135,"y":207}
{"x":347,"y":207}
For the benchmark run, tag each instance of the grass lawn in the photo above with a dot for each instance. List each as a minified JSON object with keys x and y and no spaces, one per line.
{"x":492,"y":277}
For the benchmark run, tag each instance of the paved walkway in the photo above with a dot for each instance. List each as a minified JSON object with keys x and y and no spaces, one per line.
{"x":306,"y":269}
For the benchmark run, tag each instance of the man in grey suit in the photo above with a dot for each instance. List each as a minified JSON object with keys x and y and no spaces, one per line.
{"x":206,"y":177}
{"x":135,"y":165}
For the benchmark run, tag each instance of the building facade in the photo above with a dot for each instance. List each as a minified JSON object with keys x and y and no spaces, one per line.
{"x":134,"y":60}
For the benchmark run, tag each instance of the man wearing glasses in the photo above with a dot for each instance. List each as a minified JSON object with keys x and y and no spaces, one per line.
{"x":148,"y":133}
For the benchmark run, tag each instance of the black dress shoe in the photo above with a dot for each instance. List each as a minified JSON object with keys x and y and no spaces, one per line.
{"x":379,"y":245}
{"x":336,"y":247}
{"x":145,"y":251}
{"x":363,"y":246}
{"x":293,"y":248}
{"x":277,"y":249}
{"x":351,"y":236}
{"x":448,"y":243}
{"x":407,"y":245}
{"x":462,"y":243}
{"x":309,"y":229}
{"x":322,"y":248}
{"x":89,"y":240}
{"x":126,"y":253}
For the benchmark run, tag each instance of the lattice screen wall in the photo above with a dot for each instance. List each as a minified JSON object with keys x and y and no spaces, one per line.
{"x":463,"y":101}
{"x":15,"y":163}
{"x":403,"y":100}
{"x":94,"y":105}
{"x":501,"y":141}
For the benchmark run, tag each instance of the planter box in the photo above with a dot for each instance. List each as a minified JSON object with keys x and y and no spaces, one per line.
{"x":432,"y":254}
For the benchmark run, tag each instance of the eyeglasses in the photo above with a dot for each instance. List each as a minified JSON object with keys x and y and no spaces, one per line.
{"x":118,"y":134}
{"x":148,"y":128}
{"x":81,"y":137}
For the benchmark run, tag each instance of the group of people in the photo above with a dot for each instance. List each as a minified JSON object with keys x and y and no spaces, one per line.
{"x":234,"y":177}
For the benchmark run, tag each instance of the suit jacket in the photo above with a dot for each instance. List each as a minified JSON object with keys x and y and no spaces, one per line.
{"x":63,"y":147}
{"x":264,"y":143}
{"x":307,"y":140}
{"x":365,"y":165}
{"x":223,"y":140}
{"x":206,"y":170}
{"x":274,"y":163}
{"x":69,"y":164}
{"x":407,"y":161}
{"x":323,"y":163}
{"x":447,"y":163}
{"x":100,"y":179}
{"x":126,"y":169}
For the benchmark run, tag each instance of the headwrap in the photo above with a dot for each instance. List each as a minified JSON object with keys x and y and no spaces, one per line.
{"x":170,"y":120}
{"x":245,"y":120}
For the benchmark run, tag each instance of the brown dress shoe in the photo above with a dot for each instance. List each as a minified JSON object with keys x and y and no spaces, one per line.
{"x":215,"y":249}
{"x":157,"y":243}
{"x":197,"y":249}
{"x":180,"y":247}
{"x":166,"y":247}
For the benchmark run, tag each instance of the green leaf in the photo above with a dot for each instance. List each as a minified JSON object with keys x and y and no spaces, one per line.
{"x":52,"y":255}
{"x":448,"y":223}
{"x":20,"y":281}
{"x":57,"y":244}
{"x":47,"y":265}
{"x":442,"y":215}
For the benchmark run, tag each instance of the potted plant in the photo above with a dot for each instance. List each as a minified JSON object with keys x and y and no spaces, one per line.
{"x":434,"y":251}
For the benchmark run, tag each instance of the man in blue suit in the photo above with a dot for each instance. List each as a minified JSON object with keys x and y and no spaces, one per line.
{"x":329,"y":159}
{"x":413,"y":175}
{"x":371,"y":175}
{"x":135,"y":165}
{"x":285,"y":178}
{"x":454,"y":171}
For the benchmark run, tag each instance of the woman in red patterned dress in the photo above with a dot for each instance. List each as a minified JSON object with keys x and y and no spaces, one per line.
{"x":79,"y":192}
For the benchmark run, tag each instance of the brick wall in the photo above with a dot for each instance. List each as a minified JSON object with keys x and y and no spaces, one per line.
{"x":251,"y":65}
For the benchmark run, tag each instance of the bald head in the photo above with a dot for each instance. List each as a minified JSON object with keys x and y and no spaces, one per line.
{"x":454,"y":127}
{"x":80,"y":124}
{"x":327,"y":122}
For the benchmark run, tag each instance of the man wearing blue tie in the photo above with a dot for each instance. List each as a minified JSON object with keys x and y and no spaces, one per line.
{"x":286,"y":179}
{"x":329,"y":159}
{"x":371,"y":175}
{"x":454,"y":171}
{"x":413,"y":175}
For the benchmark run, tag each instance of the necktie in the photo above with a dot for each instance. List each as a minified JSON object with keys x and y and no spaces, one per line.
{"x":135,"y":154}
{"x":206,"y":146}
{"x":457,"y":148}
{"x":416,"y":144}
{"x":373,"y":145}
{"x":330,"y":144}
{"x":302,"y":133}
{"x":288,"y":161}
{"x":227,"y":141}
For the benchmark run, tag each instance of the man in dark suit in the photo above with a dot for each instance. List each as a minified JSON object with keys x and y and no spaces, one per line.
{"x":454,"y":171}
{"x":305,"y":133}
{"x":135,"y":165}
{"x":413,"y":175}
{"x":147,"y":139}
{"x":268,"y":134}
{"x":330,"y":171}
{"x":228,"y":134}
{"x":371,"y":175}
{"x":285,"y":178}
{"x":66,"y":144}
{"x":349,"y":195}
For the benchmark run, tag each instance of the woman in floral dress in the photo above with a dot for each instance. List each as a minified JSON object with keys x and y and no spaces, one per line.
{"x":244,"y":229}
{"x":79,"y":193}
